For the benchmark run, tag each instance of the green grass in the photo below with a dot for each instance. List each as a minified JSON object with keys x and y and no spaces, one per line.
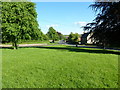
{"x":59,"y":67}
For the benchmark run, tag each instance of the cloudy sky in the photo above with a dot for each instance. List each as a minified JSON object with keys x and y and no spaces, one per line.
{"x":65,"y":17}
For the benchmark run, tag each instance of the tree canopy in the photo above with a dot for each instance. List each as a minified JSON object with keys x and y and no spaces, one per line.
{"x":52,"y":34}
{"x":19,"y":21}
{"x":106,"y":26}
{"x":73,"y":38}
{"x":60,"y":35}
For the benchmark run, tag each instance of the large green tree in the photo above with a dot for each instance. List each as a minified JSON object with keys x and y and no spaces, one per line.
{"x":19,"y":21}
{"x":106,"y":26}
{"x":73,"y":38}
{"x":52,"y":34}
{"x":61,"y":36}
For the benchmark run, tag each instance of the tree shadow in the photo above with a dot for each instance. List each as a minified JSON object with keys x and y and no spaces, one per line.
{"x":79,"y":49}
{"x":6,"y":47}
{"x":99,"y":47}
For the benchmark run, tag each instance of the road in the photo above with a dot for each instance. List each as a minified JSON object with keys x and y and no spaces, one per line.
{"x":97,"y":47}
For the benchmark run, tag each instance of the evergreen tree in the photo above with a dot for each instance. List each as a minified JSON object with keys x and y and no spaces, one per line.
{"x":106,"y":26}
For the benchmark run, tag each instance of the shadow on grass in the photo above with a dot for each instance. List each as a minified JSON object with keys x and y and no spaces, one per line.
{"x":6,"y":48}
{"x":74,"y":49}
{"x":78,"y":49}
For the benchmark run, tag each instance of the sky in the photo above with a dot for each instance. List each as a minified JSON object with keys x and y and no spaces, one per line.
{"x":65,"y":17}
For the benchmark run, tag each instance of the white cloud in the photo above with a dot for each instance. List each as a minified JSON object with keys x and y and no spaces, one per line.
{"x":52,"y":25}
{"x":80,"y":23}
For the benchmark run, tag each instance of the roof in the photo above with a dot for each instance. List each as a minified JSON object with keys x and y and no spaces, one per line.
{"x":85,"y":35}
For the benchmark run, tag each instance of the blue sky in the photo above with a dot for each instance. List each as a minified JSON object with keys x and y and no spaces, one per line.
{"x":65,"y":17}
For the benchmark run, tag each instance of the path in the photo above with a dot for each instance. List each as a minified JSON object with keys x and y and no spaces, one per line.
{"x":24,"y":45}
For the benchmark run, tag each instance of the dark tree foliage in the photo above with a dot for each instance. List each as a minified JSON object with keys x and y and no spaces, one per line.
{"x":19,"y":21}
{"x":106,"y":26}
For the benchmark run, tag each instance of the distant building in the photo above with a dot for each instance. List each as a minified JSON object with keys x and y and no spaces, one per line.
{"x":86,"y":38}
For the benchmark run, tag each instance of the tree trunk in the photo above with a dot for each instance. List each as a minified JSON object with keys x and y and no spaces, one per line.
{"x":15,"y":45}
{"x":104,"y":45}
{"x":53,"y":41}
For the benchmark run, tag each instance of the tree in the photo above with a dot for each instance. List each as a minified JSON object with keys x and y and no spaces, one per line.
{"x":106,"y":26}
{"x":52,"y":34}
{"x":77,"y":38}
{"x":19,"y":21}
{"x":61,"y":36}
{"x":73,"y":38}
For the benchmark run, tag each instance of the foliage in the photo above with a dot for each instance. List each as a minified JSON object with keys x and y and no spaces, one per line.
{"x":42,"y":37}
{"x":106,"y":26}
{"x":52,"y":34}
{"x":73,"y":38}
{"x":61,"y":36}
{"x":59,"y":67}
{"x":19,"y":22}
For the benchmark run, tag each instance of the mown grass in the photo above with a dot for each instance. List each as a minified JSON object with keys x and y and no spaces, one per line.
{"x":59,"y":67}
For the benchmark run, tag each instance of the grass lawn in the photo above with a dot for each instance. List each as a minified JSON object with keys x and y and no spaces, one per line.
{"x":59,"y":67}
